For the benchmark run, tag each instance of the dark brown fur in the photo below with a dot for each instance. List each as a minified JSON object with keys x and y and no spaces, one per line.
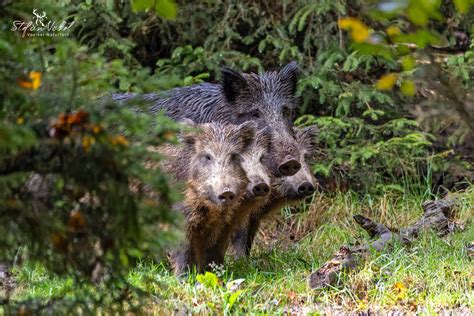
{"x":208,"y":163}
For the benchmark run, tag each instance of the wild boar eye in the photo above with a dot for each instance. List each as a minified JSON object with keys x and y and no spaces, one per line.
{"x":235,"y":157}
{"x":207,"y":157}
{"x":262,"y":158}
{"x":255,"y":115}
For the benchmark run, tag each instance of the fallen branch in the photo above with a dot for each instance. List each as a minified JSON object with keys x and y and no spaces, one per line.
{"x":437,"y":216}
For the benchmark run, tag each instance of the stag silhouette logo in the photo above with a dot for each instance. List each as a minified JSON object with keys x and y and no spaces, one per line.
{"x":38,"y":19}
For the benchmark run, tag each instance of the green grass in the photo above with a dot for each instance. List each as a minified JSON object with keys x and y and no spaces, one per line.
{"x":432,"y":274}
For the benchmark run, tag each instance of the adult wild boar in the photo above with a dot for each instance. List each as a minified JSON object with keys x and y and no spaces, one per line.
{"x":285,"y":191}
{"x":215,"y":184}
{"x":268,"y":98}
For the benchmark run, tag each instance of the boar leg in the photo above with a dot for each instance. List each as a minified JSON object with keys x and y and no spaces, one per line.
{"x":181,"y":260}
{"x":239,"y":243}
{"x":216,"y":253}
{"x":199,"y":251}
{"x":243,"y":237}
{"x":252,"y":229}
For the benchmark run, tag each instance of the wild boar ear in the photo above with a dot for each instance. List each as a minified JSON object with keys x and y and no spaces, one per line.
{"x":187,"y":123}
{"x":246,"y":132}
{"x":289,"y":74}
{"x":233,"y":83}
{"x":188,"y":135}
{"x":264,"y":137}
{"x":307,"y":136}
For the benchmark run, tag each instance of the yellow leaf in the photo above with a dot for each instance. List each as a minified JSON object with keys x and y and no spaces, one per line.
{"x":96,"y":129}
{"x":35,"y":77}
{"x":400,"y":286}
{"x":360,"y":35}
{"x":362,"y":305}
{"x":386,"y":82}
{"x":345,"y":23}
{"x":34,"y":83}
{"x":118,"y":140}
{"x":393,"y":30}
{"x":359,"y":31}
{"x":87,"y":142}
{"x":401,"y":290}
{"x":408,"y":88}
{"x":20,"y":120}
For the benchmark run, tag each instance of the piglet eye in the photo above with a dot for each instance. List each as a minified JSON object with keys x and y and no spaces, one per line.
{"x":262,"y":158}
{"x":256,"y":115}
{"x":207,"y":157}
{"x":235,"y":157}
{"x":286,"y":111}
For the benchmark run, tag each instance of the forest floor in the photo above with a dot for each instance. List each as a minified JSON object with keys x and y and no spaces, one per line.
{"x":433,"y":274}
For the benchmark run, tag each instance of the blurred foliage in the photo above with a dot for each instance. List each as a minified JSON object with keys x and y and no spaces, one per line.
{"x":74,"y":189}
{"x":407,"y":32}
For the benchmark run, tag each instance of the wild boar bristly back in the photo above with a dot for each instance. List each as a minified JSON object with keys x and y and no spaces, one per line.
{"x":202,"y":103}
{"x":267,"y":98}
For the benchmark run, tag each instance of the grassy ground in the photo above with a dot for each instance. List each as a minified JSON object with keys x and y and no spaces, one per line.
{"x":432,"y":274}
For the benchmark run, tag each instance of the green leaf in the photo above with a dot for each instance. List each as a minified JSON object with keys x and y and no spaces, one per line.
{"x":462,"y":6}
{"x":233,"y":298}
{"x":408,"y":88}
{"x":322,"y":169}
{"x":208,"y":279}
{"x":123,"y":257}
{"x":421,"y":38}
{"x":417,"y":15}
{"x":408,"y":63}
{"x":420,"y":11}
{"x":166,"y":9}
{"x":373,"y":113}
{"x":142,"y":5}
{"x":375,"y":50}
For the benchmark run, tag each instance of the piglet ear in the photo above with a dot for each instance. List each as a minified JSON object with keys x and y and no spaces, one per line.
{"x":289,"y":75}
{"x":246,"y":132}
{"x":263,"y":137}
{"x":188,"y":133}
{"x":306,"y":136}
{"x":188,"y":123}
{"x":233,"y":83}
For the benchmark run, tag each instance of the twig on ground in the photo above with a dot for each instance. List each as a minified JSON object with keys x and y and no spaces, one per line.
{"x":437,"y":215}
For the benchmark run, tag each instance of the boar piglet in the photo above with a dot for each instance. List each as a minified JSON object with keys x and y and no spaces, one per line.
{"x":258,"y":188}
{"x":285,"y":191}
{"x":215,"y":184}
{"x":267,"y":98}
